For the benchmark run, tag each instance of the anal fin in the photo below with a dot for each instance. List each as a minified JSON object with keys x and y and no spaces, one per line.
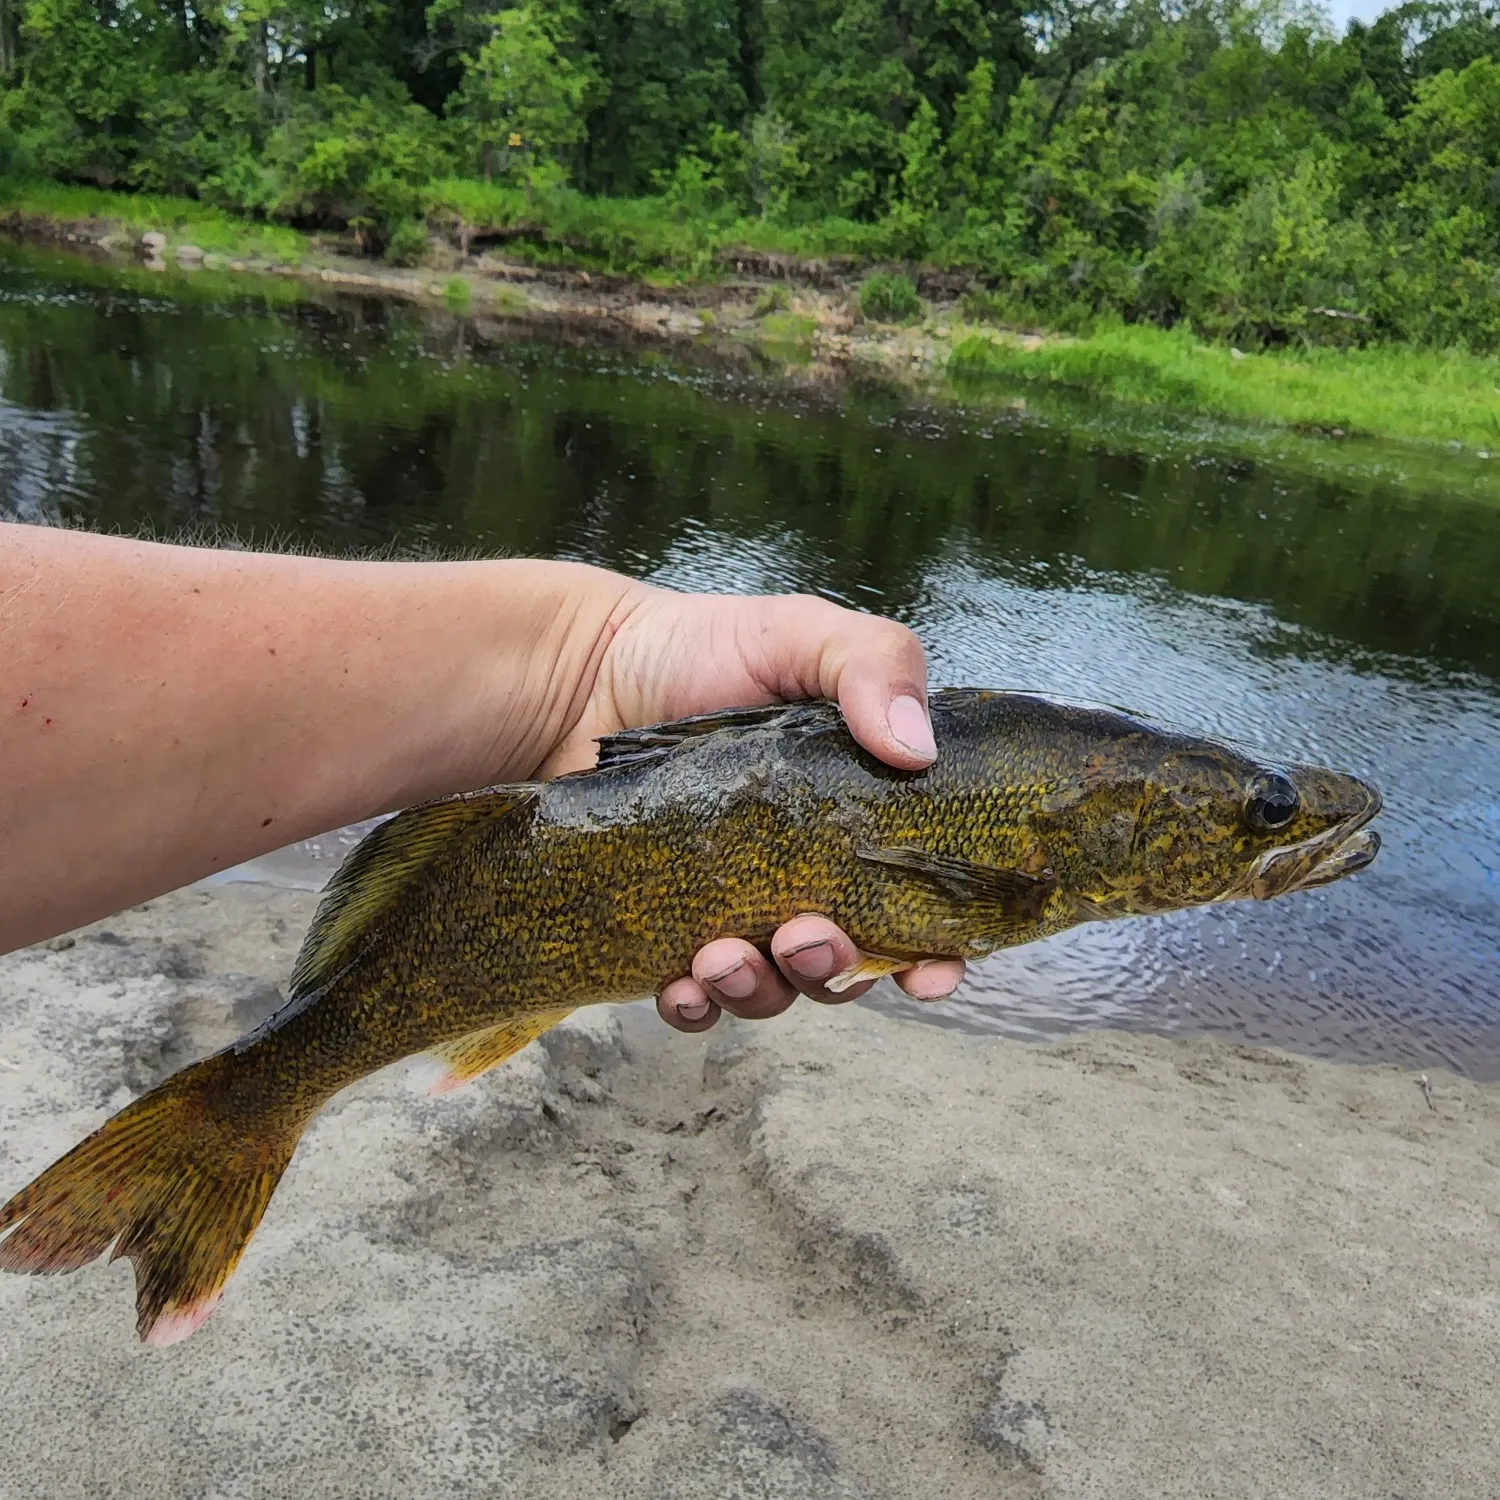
{"x":466,"y":1058}
{"x":870,"y":966}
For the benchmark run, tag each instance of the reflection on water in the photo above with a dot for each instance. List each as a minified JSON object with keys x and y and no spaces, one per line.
{"x":1351,"y":622}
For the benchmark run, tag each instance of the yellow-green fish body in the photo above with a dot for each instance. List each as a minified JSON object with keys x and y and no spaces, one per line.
{"x":468,"y":926}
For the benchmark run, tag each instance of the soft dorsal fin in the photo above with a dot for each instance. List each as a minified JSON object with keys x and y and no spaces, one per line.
{"x":634,"y":747}
{"x":372,"y":878}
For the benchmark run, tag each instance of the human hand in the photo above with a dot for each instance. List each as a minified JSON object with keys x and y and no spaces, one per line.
{"x":675,"y":654}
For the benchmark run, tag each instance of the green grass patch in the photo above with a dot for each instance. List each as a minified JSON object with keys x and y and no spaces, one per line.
{"x":786,"y":337}
{"x":511,"y":301}
{"x":787,"y":328}
{"x":184,"y":221}
{"x":456,"y":294}
{"x":1388,"y":391}
{"x":634,"y":235}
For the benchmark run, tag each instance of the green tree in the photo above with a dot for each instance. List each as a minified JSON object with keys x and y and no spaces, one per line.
{"x":677,"y":74}
{"x":526,"y":89}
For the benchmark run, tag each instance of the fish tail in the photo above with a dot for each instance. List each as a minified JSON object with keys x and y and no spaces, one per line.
{"x":177,"y":1181}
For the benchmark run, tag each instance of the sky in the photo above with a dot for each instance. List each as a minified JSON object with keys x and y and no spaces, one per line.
{"x":1344,"y":11}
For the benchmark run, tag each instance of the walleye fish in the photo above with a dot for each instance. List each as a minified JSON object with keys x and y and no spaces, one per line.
{"x":468,"y":926}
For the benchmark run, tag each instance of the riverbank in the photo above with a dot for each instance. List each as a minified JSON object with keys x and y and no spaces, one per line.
{"x":1412,"y":395}
{"x":835,"y":1255}
{"x":805,"y":311}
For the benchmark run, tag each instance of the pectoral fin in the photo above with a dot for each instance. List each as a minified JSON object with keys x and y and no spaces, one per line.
{"x":870,"y":966}
{"x":465,"y":1059}
{"x":1013,"y":894}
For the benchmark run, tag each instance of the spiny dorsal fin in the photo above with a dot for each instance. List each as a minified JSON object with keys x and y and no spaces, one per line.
{"x":378,"y":871}
{"x":634,"y":747}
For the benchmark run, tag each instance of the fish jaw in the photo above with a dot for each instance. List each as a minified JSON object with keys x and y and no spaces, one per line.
{"x":1357,"y":851}
{"x":1343,"y":849}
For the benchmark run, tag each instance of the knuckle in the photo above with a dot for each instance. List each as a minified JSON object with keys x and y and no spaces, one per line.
{"x":813,"y":605}
{"x":891,"y":636}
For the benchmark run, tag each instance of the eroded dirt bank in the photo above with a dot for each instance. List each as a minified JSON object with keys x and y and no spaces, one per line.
{"x":801,"y":315}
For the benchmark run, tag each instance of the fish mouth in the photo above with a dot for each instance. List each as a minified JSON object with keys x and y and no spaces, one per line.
{"x":1339,"y":851}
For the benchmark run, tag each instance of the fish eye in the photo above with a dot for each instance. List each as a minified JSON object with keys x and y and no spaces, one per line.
{"x":1272,"y":802}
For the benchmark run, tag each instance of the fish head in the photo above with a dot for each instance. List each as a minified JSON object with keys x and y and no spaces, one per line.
{"x":1173,"y":825}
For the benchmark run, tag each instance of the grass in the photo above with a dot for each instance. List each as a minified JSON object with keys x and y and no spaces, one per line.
{"x":456,"y":295}
{"x":788,"y":328}
{"x":511,"y":301}
{"x":633,"y":235}
{"x":1397,"y":392}
{"x":774,"y":299}
{"x":184,"y":221}
{"x":787,"y":336}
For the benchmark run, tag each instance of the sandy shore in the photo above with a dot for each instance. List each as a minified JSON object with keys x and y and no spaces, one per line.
{"x":839,"y":1255}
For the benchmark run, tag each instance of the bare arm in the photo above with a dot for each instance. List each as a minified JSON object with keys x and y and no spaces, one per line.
{"x":166,"y":712}
{"x":169,"y":711}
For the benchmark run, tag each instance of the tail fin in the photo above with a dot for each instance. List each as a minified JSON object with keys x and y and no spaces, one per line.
{"x":171,"y":1182}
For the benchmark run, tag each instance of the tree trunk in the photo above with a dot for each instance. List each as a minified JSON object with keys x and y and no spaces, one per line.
{"x":1075,"y":67}
{"x":261,"y":43}
{"x":7,"y":40}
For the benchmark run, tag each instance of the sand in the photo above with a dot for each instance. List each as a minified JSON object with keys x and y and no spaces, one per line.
{"x":841,"y":1254}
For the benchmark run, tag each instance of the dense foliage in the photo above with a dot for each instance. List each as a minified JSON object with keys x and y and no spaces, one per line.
{"x":1235,"y":167}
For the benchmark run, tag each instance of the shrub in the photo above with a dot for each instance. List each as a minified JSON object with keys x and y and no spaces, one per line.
{"x":774,"y":299}
{"x":408,"y":243}
{"x":889,"y":299}
{"x":357,"y":160}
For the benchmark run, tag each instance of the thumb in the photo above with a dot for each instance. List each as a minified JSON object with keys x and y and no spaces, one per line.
{"x":874,"y":668}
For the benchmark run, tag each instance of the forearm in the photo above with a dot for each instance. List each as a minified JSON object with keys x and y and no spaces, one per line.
{"x":166,"y":712}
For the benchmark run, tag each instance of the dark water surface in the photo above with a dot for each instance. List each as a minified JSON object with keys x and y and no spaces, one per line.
{"x":1353,"y":620}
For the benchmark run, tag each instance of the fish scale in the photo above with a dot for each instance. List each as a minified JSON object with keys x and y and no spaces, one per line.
{"x":466,"y":927}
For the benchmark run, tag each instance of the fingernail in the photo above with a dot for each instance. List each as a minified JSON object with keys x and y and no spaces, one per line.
{"x":737,"y":981}
{"x":929,"y":982}
{"x":812,"y":960}
{"x":692,"y":1010}
{"x":911,"y":727}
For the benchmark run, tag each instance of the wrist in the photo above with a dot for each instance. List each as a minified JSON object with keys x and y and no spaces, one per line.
{"x":522,"y":640}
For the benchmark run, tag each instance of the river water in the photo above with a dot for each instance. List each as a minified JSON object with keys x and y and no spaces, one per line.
{"x":1215,"y":580}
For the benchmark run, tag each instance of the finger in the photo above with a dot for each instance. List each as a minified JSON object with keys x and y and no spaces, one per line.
{"x":932,"y":979}
{"x":875,"y":669}
{"x":810,"y":950}
{"x":683,"y":1004}
{"x":741,"y":979}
